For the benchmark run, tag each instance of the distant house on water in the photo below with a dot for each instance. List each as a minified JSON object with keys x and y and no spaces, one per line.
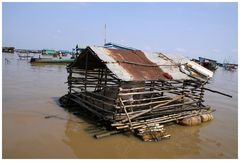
{"x":8,"y":49}
{"x":48,"y":52}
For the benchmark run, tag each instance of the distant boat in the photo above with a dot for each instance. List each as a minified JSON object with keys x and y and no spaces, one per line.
{"x":230,"y":67}
{"x":24,"y":55}
{"x":8,"y":49}
{"x":208,"y":63}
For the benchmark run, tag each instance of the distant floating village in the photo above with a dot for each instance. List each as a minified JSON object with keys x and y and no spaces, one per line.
{"x":213,"y":64}
{"x":65,"y":56}
{"x":45,"y":55}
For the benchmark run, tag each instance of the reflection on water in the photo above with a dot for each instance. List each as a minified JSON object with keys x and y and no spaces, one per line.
{"x":30,"y":93}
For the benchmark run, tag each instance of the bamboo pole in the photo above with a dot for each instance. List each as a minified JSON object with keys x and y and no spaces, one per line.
{"x":145,"y":99}
{"x":157,"y":106}
{"x":124,"y":108}
{"x":214,"y":91}
{"x":95,"y":99}
{"x":136,"y":125}
{"x":98,"y":95}
{"x":130,"y":89}
{"x":91,"y":104}
{"x":146,"y":104}
{"x":99,"y":136}
{"x":162,"y":109}
{"x":86,"y":107}
{"x":86,"y":71}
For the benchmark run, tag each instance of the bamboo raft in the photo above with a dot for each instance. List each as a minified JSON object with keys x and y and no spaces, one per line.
{"x":141,"y":106}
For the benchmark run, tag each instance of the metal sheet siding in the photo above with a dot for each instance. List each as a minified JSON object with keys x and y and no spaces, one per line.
{"x":136,"y":64}
{"x":120,"y":72}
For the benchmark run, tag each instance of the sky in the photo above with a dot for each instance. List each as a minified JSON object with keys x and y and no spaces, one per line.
{"x":190,"y":29}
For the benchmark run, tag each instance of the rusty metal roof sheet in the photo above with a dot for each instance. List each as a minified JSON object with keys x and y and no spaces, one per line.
{"x":169,"y":63}
{"x":130,"y":65}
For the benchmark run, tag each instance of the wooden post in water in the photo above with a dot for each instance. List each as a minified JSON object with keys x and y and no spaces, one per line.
{"x":86,"y":72}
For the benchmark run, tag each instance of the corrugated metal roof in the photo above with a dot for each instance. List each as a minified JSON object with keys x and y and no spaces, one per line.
{"x":130,"y":65}
{"x":135,"y":65}
{"x":119,"y":71}
{"x":169,"y":64}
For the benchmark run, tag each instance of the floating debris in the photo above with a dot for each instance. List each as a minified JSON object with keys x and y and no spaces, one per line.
{"x":191,"y":121}
{"x":206,"y":117}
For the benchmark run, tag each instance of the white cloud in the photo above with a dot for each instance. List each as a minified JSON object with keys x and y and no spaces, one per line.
{"x":161,"y":50}
{"x":59,"y":31}
{"x":216,"y":50}
{"x":123,"y":41}
{"x":147,"y":48}
{"x":234,"y":50}
{"x":180,"y":49}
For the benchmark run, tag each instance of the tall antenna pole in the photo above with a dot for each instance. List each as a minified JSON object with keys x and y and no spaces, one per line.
{"x":105,"y":30}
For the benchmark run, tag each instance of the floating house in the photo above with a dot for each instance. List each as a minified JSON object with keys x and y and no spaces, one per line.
{"x":8,"y":49}
{"x":28,"y":51}
{"x":54,"y":57}
{"x":65,"y":52}
{"x":132,"y":90}
{"x":230,"y":67}
{"x":195,"y":60}
{"x":48,"y":52}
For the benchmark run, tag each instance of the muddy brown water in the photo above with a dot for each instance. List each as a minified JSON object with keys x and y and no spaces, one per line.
{"x":31,"y":92}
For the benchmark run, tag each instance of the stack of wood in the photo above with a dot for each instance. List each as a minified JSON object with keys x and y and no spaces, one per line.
{"x":152,"y":132}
